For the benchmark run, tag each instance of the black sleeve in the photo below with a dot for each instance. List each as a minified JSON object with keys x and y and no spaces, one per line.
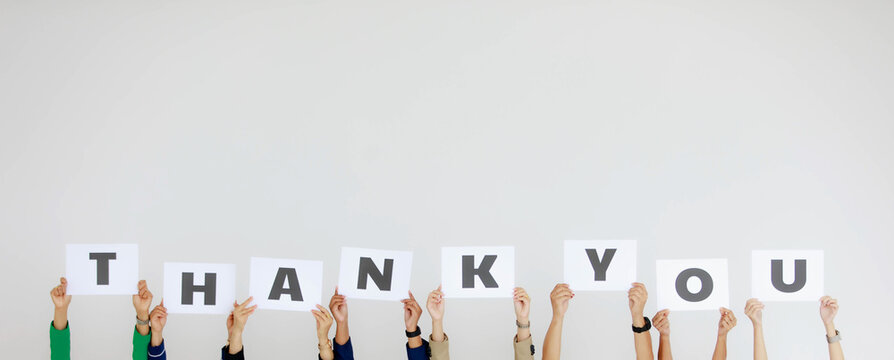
{"x":225,"y":354}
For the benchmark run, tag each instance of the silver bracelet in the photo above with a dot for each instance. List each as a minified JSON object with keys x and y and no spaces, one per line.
{"x":520,"y":326}
{"x":142,"y":322}
{"x":835,"y":338}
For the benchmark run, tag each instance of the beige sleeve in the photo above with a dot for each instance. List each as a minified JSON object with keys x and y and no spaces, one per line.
{"x":523,"y":348}
{"x":439,"y":350}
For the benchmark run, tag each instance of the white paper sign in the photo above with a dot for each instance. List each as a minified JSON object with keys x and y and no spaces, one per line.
{"x":192,"y":288}
{"x":478,"y":272}
{"x":284,"y":284}
{"x":787,"y":275}
{"x":375,"y":274}
{"x":600,"y":265}
{"x":102,"y":269}
{"x":701,"y":284}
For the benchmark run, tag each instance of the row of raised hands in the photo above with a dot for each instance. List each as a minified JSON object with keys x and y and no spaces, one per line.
{"x":637,"y":296}
{"x":148,"y":340}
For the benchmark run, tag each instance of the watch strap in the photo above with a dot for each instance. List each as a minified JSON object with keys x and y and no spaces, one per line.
{"x":142,"y":322}
{"x":414,"y":333}
{"x":835,"y":338}
{"x":645,"y":327}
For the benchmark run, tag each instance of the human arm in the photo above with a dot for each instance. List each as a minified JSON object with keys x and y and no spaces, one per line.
{"x":60,"y":337}
{"x":552,"y":343}
{"x":661,"y":322}
{"x":142,"y":301}
{"x":324,"y":323}
{"x":828,"y":310}
{"x":754,"y":310}
{"x":436,"y":306}
{"x":522,"y":342}
{"x":157,"y":320}
{"x":236,"y":325}
{"x":412,"y":313}
{"x":636,"y":298}
{"x":339,"y":307}
{"x":727,"y":323}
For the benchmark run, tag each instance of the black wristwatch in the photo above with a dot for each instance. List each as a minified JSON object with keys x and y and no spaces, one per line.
{"x":645,"y":327}
{"x":415,"y":333}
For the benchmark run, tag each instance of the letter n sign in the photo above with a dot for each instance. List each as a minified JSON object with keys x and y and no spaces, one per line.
{"x":375,"y":274}
{"x":787,"y":275}
{"x":478,"y":272}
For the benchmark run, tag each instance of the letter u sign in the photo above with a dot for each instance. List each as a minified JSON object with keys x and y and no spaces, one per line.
{"x":787,"y":275}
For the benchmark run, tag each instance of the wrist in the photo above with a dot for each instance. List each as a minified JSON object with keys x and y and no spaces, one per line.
{"x":522,"y":319}
{"x":323,"y":339}
{"x":144,"y":316}
{"x":412,"y":328}
{"x":830,"y":328}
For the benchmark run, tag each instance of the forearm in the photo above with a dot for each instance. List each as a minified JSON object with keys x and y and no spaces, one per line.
{"x":835,"y":351}
{"x":523,"y":333}
{"x":342,"y":335}
{"x":143,"y":329}
{"x":664,"y":348}
{"x":760,"y":349}
{"x":642,"y":341}
{"x":720,"y":348}
{"x":60,"y":318}
{"x":157,"y":338}
{"x":235,"y":342}
{"x":437,"y":330}
{"x":326,"y":352}
{"x":552,"y":343}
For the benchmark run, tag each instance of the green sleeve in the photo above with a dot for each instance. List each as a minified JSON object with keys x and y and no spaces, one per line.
{"x":60,"y":343}
{"x":140,"y":345}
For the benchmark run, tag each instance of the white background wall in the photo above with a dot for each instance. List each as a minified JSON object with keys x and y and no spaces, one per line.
{"x":212,"y":131}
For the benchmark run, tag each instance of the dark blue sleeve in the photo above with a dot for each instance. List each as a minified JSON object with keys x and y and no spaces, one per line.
{"x":421,"y":353}
{"x":225,"y":354}
{"x":343,"y":352}
{"x":157,"y":352}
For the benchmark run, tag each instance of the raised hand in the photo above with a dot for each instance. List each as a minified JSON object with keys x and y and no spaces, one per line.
{"x":60,"y":296}
{"x":239,"y":316}
{"x":636,"y":298}
{"x":522,"y":302}
{"x":142,"y":301}
{"x":324,"y":323}
{"x":412,"y":312}
{"x":157,"y":319}
{"x":559,"y":297}
{"x":436,"y":305}
{"x":828,"y":309}
{"x":727,"y":322}
{"x":61,"y":300}
{"x":754,"y":309}
{"x":339,"y":307}
{"x":661,"y":322}
{"x":236,"y":324}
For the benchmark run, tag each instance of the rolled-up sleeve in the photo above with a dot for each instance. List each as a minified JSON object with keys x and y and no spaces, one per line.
{"x":225,"y":354}
{"x":524,"y":350}
{"x":440,"y":350}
